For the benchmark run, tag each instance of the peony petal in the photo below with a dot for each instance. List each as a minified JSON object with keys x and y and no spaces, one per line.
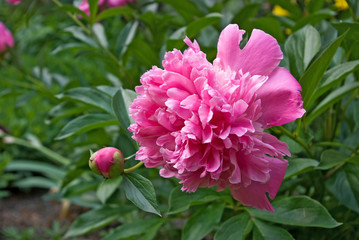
{"x":260,"y":56}
{"x":254,"y":195}
{"x":281,"y":101}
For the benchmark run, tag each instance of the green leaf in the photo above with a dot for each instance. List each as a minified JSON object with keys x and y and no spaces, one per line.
{"x":271,"y":26}
{"x":202,"y":222}
{"x":314,"y":18}
{"x":332,"y":98}
{"x":264,"y":231}
{"x":301,"y":47}
{"x":36,"y":182}
{"x":333,"y":77}
{"x":299,"y":165}
{"x":312,"y":76}
{"x":91,"y":96}
{"x":79,"y":187}
{"x":72,"y":9}
{"x":144,"y":52}
{"x":298,"y":211}
{"x":187,"y":9}
{"x":330,"y":158}
{"x":86,"y":123}
{"x":93,"y":4}
{"x":133,"y":229}
{"x":248,"y":11}
{"x":100,"y":34}
{"x":95,"y":219}
{"x":344,"y":185}
{"x":73,"y":46}
{"x":125,"y":37}
{"x":116,"y":11}
{"x":107,"y":188}
{"x":78,"y":33}
{"x":196,"y":26}
{"x":49,"y":170}
{"x":120,"y":104}
{"x":180,"y":201}
{"x":235,"y":228}
{"x":139,"y":190}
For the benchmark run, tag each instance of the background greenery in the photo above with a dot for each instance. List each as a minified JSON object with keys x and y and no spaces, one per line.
{"x":66,"y":85}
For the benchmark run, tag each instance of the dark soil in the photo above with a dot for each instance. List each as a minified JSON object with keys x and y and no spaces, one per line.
{"x":30,"y":210}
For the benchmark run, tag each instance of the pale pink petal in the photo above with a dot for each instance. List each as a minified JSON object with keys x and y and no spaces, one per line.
{"x":281,"y":101}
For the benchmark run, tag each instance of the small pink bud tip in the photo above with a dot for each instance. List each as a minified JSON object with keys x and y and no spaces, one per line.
{"x":108,"y":162}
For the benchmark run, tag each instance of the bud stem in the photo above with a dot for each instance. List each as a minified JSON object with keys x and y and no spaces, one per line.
{"x":128,"y":170}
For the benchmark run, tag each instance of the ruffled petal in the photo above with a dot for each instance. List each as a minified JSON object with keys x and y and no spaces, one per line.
{"x":254,"y":195}
{"x":260,"y":56}
{"x":281,"y":101}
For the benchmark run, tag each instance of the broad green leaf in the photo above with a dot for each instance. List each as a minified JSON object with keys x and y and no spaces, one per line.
{"x":248,"y":11}
{"x":312,"y":76}
{"x":264,"y":231}
{"x":180,"y":201}
{"x":301,"y":47}
{"x":299,"y":165}
{"x":298,"y":211}
{"x":196,"y":26}
{"x":235,"y":228}
{"x":144,"y":52}
{"x":120,"y":104}
{"x":95,"y":219}
{"x":91,"y":96}
{"x":332,"y":98}
{"x":36,"y":182}
{"x":332,"y":77}
{"x":138,"y":227}
{"x":125,"y":10}
{"x":185,"y":8}
{"x":100,"y":34}
{"x":314,"y":5}
{"x":330,"y":158}
{"x":79,"y":187}
{"x":78,"y":33}
{"x":73,"y":46}
{"x":86,"y":123}
{"x":139,"y":190}
{"x":49,"y":170}
{"x":271,"y":26}
{"x":202,"y":222}
{"x":344,"y":185}
{"x":107,"y":188}
{"x":125,"y":37}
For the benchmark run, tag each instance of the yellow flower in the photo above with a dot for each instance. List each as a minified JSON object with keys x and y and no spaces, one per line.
{"x":279,"y":11}
{"x":341,"y":5}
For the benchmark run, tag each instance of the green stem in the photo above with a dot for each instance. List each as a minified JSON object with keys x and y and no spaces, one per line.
{"x":296,"y":139}
{"x":131,"y":169}
{"x":335,"y":144}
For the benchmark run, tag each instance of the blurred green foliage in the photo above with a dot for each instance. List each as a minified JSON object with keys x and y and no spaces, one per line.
{"x":66,"y":85}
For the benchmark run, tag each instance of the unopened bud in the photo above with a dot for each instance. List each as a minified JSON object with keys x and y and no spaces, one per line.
{"x":108,"y":162}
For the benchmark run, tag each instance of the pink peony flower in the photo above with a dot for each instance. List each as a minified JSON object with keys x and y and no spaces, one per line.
{"x":108,"y":162}
{"x":117,"y":3}
{"x":6,"y":39}
{"x":204,"y":123}
{"x":14,"y":2}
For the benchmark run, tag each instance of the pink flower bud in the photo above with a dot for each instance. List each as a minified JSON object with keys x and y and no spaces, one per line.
{"x":6,"y":39}
{"x":108,"y":162}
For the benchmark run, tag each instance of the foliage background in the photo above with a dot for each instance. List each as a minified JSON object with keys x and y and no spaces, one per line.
{"x":66,"y":85}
